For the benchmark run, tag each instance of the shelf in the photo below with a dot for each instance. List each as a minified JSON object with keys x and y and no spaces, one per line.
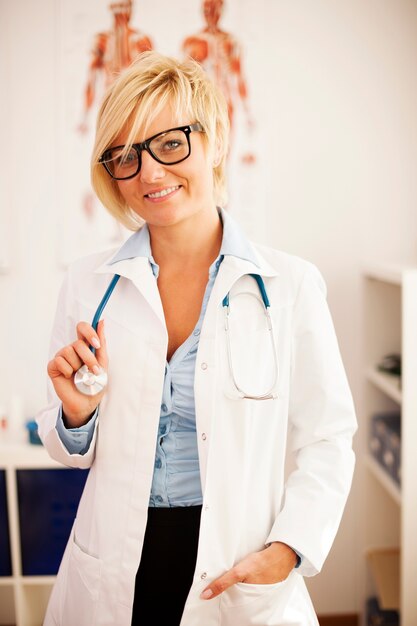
{"x":390,"y":509}
{"x":36,"y":580}
{"x":385,"y":567}
{"x":387,"y":383}
{"x":387,"y":273}
{"x":384,"y":479}
{"x":6,"y":581}
{"x":25,"y":456}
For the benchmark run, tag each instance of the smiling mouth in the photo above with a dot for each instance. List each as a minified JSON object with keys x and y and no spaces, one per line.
{"x":162,"y":193}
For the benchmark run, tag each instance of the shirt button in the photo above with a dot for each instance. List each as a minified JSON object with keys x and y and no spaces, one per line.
{"x":164,"y":407}
{"x":196,"y":332}
{"x":203,"y":436}
{"x":158,"y":463}
{"x":159,"y":499}
{"x":204,"y":366}
{"x":203,"y":575}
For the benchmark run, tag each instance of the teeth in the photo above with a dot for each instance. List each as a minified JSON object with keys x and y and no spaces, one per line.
{"x":164,"y":192}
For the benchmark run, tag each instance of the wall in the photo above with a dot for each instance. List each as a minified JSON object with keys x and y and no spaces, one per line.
{"x":339,"y":159}
{"x":343,"y":185}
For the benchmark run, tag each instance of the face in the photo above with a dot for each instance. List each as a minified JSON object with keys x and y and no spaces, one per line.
{"x":165,"y":195}
{"x":212,"y":10}
{"x":121,"y":8}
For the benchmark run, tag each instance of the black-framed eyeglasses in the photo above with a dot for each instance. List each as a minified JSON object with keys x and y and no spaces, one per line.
{"x":168,"y":147}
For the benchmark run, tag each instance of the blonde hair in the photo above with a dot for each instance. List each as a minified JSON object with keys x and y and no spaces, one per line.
{"x":136,"y":98}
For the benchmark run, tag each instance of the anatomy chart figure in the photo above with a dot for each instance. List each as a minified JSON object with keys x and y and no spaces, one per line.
{"x":221,"y":56}
{"x":112,"y":51}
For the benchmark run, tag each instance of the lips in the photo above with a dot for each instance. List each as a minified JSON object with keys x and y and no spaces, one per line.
{"x":162,"y":193}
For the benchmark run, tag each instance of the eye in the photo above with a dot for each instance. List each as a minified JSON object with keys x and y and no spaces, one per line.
{"x":170,"y":145}
{"x":122,"y":161}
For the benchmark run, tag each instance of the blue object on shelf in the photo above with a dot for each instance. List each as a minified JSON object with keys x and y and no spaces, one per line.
{"x":378,"y":617}
{"x":5,"y":559}
{"x":48,"y":501}
{"x":32,"y":428}
{"x":385,"y":442}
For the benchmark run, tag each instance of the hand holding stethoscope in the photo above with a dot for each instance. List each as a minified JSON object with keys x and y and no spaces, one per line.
{"x":78,"y":406}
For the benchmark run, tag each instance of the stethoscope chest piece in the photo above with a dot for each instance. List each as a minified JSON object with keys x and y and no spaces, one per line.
{"x":88,"y":383}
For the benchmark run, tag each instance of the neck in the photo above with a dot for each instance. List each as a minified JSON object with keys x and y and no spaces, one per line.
{"x":212,"y":28}
{"x":189,"y":245}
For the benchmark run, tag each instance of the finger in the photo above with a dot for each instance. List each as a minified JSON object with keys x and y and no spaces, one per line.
{"x":70,"y":355}
{"x":221,"y":584}
{"x":59,"y":367}
{"x":86,"y":332}
{"x":101,"y":353}
{"x":86,"y":356}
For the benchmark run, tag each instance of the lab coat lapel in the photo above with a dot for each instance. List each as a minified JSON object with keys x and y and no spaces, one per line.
{"x":234,"y":268}
{"x":139,"y":272}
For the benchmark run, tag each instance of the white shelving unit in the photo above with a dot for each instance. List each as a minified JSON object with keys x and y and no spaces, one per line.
{"x":23,"y":599}
{"x":390,"y":510}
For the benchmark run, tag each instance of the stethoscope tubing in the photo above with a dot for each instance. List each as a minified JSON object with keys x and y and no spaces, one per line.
{"x":269,"y":394}
{"x":102,"y":304}
{"x":85,"y":381}
{"x":90,"y":384}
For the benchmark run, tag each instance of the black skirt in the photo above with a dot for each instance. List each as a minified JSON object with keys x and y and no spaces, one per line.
{"x":167,"y":565}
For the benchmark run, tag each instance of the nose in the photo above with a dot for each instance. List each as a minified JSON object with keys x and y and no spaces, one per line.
{"x":150,"y":170}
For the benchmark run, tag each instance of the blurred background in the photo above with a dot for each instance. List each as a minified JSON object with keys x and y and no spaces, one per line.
{"x":323,"y":99}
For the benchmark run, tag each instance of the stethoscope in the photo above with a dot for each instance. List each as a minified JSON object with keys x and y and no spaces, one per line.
{"x":88,"y":383}
{"x":91,"y":384}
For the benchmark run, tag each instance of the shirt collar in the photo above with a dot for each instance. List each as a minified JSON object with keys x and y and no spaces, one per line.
{"x":234,"y":243}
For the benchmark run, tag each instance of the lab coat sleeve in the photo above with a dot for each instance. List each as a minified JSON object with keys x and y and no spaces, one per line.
{"x":76,"y":440}
{"x":321,"y":426}
{"x":63,"y":333}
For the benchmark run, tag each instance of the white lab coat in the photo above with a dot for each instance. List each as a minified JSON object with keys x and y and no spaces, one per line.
{"x":242,"y":444}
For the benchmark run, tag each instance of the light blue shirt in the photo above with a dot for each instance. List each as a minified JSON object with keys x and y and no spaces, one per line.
{"x":176,"y":478}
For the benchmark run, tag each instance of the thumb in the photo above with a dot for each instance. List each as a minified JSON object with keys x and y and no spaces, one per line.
{"x":221,"y":584}
{"x":101,"y":352}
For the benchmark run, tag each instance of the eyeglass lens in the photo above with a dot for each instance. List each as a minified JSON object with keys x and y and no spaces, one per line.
{"x":170,"y":147}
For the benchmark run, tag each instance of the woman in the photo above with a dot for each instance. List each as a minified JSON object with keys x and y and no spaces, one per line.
{"x":186,"y":515}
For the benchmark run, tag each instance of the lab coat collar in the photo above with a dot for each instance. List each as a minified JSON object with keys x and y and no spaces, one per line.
{"x":139,"y":271}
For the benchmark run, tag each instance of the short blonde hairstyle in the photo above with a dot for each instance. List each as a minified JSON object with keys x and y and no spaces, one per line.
{"x":135,"y":99}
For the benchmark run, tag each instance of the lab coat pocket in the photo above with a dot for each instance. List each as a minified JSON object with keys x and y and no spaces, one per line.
{"x":82,"y":588}
{"x":256,"y":605}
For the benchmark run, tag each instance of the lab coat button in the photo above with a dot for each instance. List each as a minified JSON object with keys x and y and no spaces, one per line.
{"x":164,"y":407}
{"x":204,"y":366}
{"x":203,"y":575}
{"x":203,"y":436}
